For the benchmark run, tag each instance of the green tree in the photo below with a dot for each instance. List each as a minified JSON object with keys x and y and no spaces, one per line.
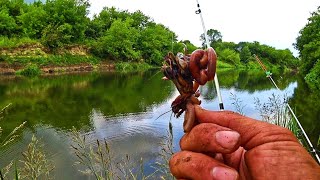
{"x":55,"y":36}
{"x":245,"y":54}
{"x":119,"y":42}
{"x":103,"y":21}
{"x":71,"y":12}
{"x":33,"y":21}
{"x":155,"y":42}
{"x":229,"y":56}
{"x":308,"y":42}
{"x":9,"y":12}
{"x":140,"y":20}
{"x":7,"y":23}
{"x":214,"y":37}
{"x":226,"y":45}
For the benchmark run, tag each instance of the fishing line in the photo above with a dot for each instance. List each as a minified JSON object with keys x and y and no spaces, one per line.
{"x":163,"y":114}
{"x":216,"y":81}
{"x":268,"y":73}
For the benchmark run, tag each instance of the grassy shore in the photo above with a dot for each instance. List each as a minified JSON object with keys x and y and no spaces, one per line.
{"x":28,"y":57}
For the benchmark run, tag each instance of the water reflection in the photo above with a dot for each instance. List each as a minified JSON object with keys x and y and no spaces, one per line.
{"x":125,"y":109}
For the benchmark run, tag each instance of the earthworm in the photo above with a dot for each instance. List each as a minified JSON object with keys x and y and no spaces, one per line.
{"x":189,"y":118}
{"x":203,"y":65}
{"x":212,"y":62}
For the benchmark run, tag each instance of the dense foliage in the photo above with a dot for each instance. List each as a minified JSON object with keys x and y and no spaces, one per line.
{"x":116,"y":35}
{"x":112,"y":34}
{"x":308,"y":44}
{"x":241,"y":54}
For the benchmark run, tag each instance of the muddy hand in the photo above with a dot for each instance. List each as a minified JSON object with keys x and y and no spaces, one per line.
{"x":227,"y":145}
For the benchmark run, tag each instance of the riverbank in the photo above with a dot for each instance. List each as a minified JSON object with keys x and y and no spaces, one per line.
{"x":33,"y":58}
{"x":13,"y":69}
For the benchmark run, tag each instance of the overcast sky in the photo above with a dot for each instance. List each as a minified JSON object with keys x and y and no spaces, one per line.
{"x":272,"y":22}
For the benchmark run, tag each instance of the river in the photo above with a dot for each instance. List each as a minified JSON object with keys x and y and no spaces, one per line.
{"x":128,"y":110}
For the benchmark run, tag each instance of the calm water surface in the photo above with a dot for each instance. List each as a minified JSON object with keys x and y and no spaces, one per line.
{"x":124,"y":110}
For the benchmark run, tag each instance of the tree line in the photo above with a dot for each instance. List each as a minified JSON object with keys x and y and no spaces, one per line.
{"x":242,"y":53}
{"x":114,"y":34}
{"x":119,"y":35}
{"x":308,"y":44}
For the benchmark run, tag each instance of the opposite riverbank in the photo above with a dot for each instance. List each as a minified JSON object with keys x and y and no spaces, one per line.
{"x":35,"y":59}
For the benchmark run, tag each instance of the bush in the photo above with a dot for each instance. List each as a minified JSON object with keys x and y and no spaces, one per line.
{"x":313,"y":78}
{"x":30,"y":70}
{"x":229,"y":56}
{"x":221,"y":64}
{"x":54,"y":36}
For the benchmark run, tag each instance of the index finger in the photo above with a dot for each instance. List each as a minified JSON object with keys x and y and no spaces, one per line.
{"x":253,"y":132}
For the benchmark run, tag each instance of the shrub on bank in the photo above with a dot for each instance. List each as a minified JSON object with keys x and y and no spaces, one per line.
{"x":30,"y":70}
{"x":313,"y":78}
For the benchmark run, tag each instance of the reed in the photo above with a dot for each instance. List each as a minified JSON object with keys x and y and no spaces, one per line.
{"x":97,"y":163}
{"x":166,"y":152}
{"x":237,"y":103}
{"x":100,"y":162}
{"x":275,"y":111}
{"x":7,"y":140}
{"x":13,"y":134}
{"x":35,"y":163}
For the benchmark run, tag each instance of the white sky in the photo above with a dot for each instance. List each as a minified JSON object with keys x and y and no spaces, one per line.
{"x":272,"y":22}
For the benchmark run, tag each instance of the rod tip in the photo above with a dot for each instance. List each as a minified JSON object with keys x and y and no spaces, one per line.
{"x":221,"y":106}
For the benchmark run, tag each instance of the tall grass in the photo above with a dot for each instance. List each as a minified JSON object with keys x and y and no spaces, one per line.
{"x":35,"y":163}
{"x":62,"y":60}
{"x":6,"y":42}
{"x":237,"y":103}
{"x":13,"y":134}
{"x":7,"y":140}
{"x":99,"y":162}
{"x":275,"y":110}
{"x":165,"y":154}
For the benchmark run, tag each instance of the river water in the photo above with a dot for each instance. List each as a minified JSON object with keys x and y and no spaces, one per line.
{"x":128,"y":110}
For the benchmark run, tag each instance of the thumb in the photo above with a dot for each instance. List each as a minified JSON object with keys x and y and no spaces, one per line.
{"x":209,"y":137}
{"x":253,"y":133}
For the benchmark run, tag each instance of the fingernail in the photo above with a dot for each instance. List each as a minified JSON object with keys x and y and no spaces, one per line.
{"x":224,"y":173}
{"x":227,"y":139}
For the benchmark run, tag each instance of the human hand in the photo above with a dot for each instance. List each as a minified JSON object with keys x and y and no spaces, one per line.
{"x":227,"y":145}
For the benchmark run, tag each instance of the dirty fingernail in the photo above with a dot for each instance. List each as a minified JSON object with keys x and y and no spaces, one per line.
{"x":227,"y":139}
{"x":224,"y":173}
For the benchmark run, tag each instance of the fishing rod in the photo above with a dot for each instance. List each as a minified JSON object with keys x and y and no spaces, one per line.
{"x":268,"y":73}
{"x":216,"y":81}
